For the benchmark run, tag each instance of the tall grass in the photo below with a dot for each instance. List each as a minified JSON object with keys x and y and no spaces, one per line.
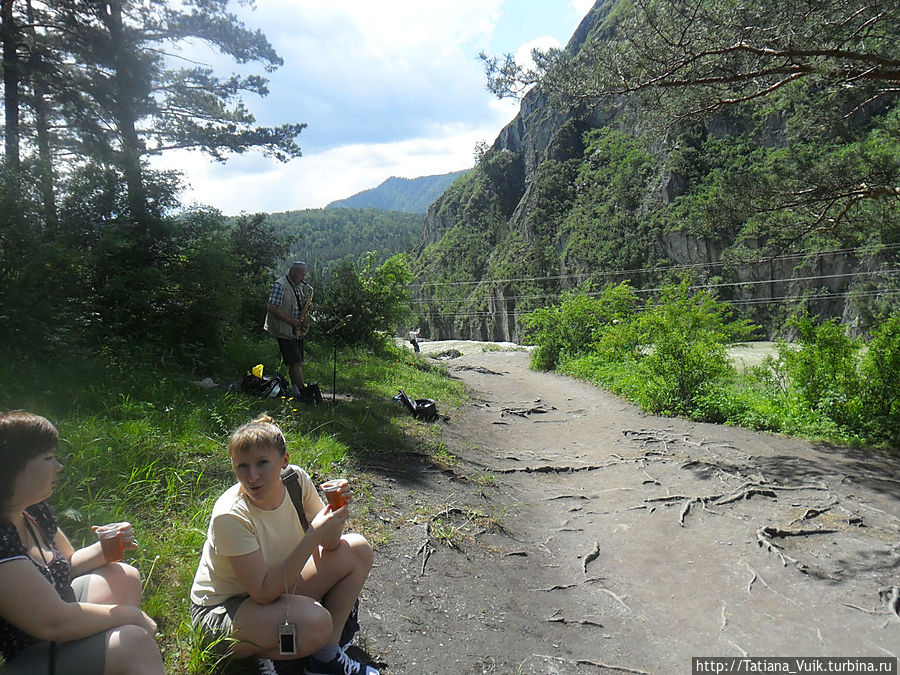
{"x":141,"y":442}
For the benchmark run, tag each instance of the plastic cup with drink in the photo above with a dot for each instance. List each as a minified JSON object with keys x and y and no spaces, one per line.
{"x":333,"y":490}
{"x":114,"y":539}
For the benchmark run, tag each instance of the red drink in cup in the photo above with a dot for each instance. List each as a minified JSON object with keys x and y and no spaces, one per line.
{"x":332,"y":490}
{"x":113,"y":539}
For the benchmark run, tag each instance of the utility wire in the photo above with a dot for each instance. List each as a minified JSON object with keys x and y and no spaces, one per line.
{"x":729,"y":284}
{"x":662,"y":268}
{"x":747,"y":301}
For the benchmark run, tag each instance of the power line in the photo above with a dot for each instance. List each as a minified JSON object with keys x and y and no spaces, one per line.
{"x":662,"y":268}
{"x":729,"y":284}
{"x":747,"y":301}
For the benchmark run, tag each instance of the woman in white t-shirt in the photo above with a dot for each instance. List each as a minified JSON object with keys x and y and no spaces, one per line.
{"x":278,"y":591}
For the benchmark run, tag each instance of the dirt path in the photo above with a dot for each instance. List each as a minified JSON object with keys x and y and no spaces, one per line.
{"x":567,"y":532}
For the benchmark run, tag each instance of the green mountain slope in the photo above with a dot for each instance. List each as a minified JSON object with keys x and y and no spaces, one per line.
{"x":594,"y":192}
{"x":324,"y":237}
{"x":409,"y":195}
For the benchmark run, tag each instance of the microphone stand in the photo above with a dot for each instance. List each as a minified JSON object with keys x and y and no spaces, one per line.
{"x":332,"y":331}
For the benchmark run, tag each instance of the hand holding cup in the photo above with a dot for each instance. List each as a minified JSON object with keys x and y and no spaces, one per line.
{"x":115,"y":539}
{"x":337,"y":492}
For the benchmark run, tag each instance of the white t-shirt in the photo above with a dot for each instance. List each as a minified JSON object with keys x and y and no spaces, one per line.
{"x":237,"y":527}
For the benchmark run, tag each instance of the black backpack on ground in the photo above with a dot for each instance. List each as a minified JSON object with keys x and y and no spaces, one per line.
{"x":267,"y":386}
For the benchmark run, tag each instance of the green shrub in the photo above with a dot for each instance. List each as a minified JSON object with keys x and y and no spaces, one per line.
{"x":376,"y":296}
{"x":685,"y":337}
{"x":880,"y":376}
{"x":571,"y":328}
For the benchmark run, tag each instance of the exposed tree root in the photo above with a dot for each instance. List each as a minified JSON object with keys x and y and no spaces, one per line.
{"x":557,"y":617}
{"x":891,"y":596}
{"x":616,"y":598}
{"x":766,"y":584}
{"x":754,"y":578}
{"x":764,"y":538}
{"x":861,"y":609}
{"x":746,"y":494}
{"x":552,"y":468}
{"x":746,"y":491}
{"x":685,"y":510}
{"x":525,"y":412}
{"x":812,"y":513}
{"x":426,"y":550}
{"x":565,"y":587}
{"x":591,"y":557}
{"x":596,"y":664}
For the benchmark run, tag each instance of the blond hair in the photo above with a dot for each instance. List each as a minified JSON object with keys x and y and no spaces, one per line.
{"x":262,"y":431}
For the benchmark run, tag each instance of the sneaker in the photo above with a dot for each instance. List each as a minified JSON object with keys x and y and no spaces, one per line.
{"x":339,"y":665}
{"x":266,"y":667}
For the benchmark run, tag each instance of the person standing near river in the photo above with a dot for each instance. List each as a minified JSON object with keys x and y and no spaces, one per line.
{"x":414,"y":339}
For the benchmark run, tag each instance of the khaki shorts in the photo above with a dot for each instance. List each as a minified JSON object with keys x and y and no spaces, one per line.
{"x":86,"y":656}
{"x":216,"y":622}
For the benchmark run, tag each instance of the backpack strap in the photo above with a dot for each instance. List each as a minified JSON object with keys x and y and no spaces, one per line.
{"x":291,"y":481}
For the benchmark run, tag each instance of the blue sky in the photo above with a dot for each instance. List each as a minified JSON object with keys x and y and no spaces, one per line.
{"x":386,"y":87}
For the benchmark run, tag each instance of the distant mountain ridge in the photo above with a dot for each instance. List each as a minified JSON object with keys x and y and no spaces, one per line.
{"x":408,"y":195}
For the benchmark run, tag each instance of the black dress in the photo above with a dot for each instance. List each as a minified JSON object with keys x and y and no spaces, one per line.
{"x":57,"y":572}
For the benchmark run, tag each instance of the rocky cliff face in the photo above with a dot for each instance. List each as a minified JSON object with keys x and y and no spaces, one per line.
{"x":541,"y":133}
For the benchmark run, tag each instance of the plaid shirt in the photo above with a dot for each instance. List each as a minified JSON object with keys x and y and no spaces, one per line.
{"x":276,"y":297}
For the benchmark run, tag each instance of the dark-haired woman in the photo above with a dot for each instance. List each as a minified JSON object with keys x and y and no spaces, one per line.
{"x":279,"y":591}
{"x":61,"y":611}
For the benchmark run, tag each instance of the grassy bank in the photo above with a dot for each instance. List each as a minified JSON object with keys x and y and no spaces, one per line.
{"x":142,"y":442}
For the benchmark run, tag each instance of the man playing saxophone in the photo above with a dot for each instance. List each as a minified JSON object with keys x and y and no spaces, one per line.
{"x":290,"y":302}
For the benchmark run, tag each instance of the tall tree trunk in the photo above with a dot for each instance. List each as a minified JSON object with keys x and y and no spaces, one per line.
{"x":9,"y":35}
{"x":39,"y":103}
{"x":126,"y":118}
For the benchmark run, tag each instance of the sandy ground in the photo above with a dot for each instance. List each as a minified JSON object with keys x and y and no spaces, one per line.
{"x":564,"y":531}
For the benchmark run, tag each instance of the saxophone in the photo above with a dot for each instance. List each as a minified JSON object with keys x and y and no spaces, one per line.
{"x":302,"y":327}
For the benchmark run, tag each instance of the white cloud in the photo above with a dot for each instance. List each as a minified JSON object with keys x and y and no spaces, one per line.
{"x":523,"y":54}
{"x":582,"y":7}
{"x":387,"y":88}
{"x":313,"y":182}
